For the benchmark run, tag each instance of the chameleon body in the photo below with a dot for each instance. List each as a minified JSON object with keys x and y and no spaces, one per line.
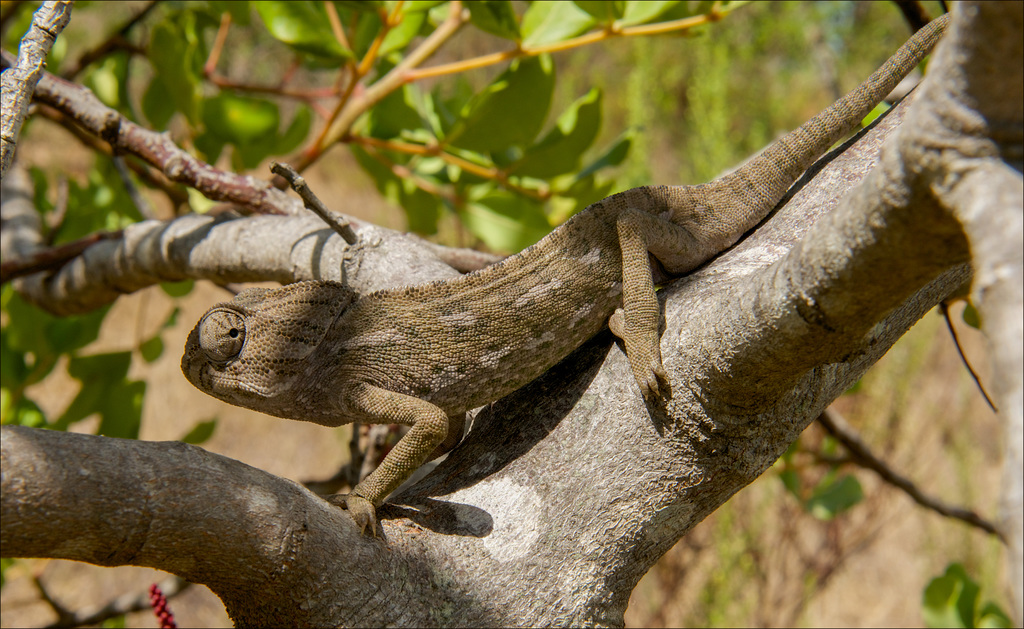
{"x":424,"y":355}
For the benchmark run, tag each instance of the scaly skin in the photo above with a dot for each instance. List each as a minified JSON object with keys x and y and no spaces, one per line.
{"x":424,"y":355}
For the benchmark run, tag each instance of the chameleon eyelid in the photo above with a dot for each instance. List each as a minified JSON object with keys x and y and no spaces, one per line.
{"x":222,"y":334}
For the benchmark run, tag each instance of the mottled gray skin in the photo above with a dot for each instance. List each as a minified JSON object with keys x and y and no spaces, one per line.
{"x":424,"y":355}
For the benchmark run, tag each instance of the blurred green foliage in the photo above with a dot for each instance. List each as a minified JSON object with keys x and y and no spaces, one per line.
{"x":954,"y":600}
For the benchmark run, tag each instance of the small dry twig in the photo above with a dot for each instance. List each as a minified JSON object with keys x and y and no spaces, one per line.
{"x":861,"y":454}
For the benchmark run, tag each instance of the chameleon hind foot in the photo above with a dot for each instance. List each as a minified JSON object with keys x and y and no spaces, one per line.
{"x":361,"y":510}
{"x":644,"y":359}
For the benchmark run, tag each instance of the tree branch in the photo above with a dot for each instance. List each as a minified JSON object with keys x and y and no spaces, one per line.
{"x":19,"y":83}
{"x":82,"y":106}
{"x":969,"y":149}
{"x":861,"y":454}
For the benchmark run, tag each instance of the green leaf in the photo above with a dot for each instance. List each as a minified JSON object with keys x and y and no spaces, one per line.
{"x":443,"y":112}
{"x":151,"y":349}
{"x":388,"y":184}
{"x":954,"y":600}
{"x":24,"y":413}
{"x":971,"y":316}
{"x":394,"y":114}
{"x":296,"y":132}
{"x":419,"y":5}
{"x":172,"y":58}
{"x":107,"y":80}
{"x":362,"y":6}
{"x":157,"y":104}
{"x":641,"y":12}
{"x":991,"y":615}
{"x":103,"y":203}
{"x":495,"y":17}
{"x":367,"y":29}
{"x":505,"y":222}
{"x":172,"y":319}
{"x":303,"y":25}
{"x":579,"y":195}
{"x":239,"y":10}
{"x":879,"y":109}
{"x":832,"y":497}
{"x":201,"y":432}
{"x":101,"y":375}
{"x":240,"y":120}
{"x":30,"y":329}
{"x":791,"y":481}
{"x":5,"y":563}
{"x":13,"y":368}
{"x":602,"y":10}
{"x":949,"y":600}
{"x":422,"y":209}
{"x":612,"y":157}
{"x":561,"y":149}
{"x":121,"y":411}
{"x":519,"y":98}
{"x":210,"y":147}
{"x":400,"y":36}
{"x":177,"y":289}
{"x":547,"y":22}
{"x":198,"y":202}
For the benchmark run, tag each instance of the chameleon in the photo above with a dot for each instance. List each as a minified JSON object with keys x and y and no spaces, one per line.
{"x":424,"y":355}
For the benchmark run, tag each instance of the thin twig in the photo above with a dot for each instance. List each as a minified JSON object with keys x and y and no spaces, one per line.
{"x":218,"y":45}
{"x":64,"y":615}
{"x":55,"y":220}
{"x":116,"y":41}
{"x":836,"y":426}
{"x":313,"y":203}
{"x":141,"y":204}
{"x":576,"y":42}
{"x":396,"y":78}
{"x":960,"y":350}
{"x":53,"y":258}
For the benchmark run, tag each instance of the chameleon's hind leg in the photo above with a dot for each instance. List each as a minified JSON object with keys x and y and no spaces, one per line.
{"x":636,"y":323}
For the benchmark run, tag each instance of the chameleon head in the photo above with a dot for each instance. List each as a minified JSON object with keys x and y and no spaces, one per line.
{"x":253,"y":350}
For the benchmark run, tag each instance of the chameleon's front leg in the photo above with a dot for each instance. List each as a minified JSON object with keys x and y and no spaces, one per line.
{"x":430,"y":427}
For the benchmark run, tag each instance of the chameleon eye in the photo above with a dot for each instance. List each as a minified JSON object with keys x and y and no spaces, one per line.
{"x":222,"y":334}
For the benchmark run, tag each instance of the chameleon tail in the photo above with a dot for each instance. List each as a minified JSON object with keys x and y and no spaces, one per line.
{"x":762,"y":181}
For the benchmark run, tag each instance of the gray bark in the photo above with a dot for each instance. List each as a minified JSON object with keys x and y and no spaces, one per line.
{"x":20,"y":82}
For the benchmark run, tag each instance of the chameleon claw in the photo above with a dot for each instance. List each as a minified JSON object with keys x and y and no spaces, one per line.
{"x":361,"y":510}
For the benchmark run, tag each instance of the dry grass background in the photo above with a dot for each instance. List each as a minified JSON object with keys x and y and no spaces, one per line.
{"x":760,"y":560}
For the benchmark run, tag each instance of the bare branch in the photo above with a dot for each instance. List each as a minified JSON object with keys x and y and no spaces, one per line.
{"x":944,"y":306}
{"x":116,"y":41}
{"x":969,"y":149}
{"x":20,"y":81}
{"x":82,"y":106}
{"x":340,"y":225}
{"x":861,"y":454}
{"x":53,"y":258}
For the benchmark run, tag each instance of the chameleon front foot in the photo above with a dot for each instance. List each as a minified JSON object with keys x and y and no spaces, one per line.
{"x":361,"y":510}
